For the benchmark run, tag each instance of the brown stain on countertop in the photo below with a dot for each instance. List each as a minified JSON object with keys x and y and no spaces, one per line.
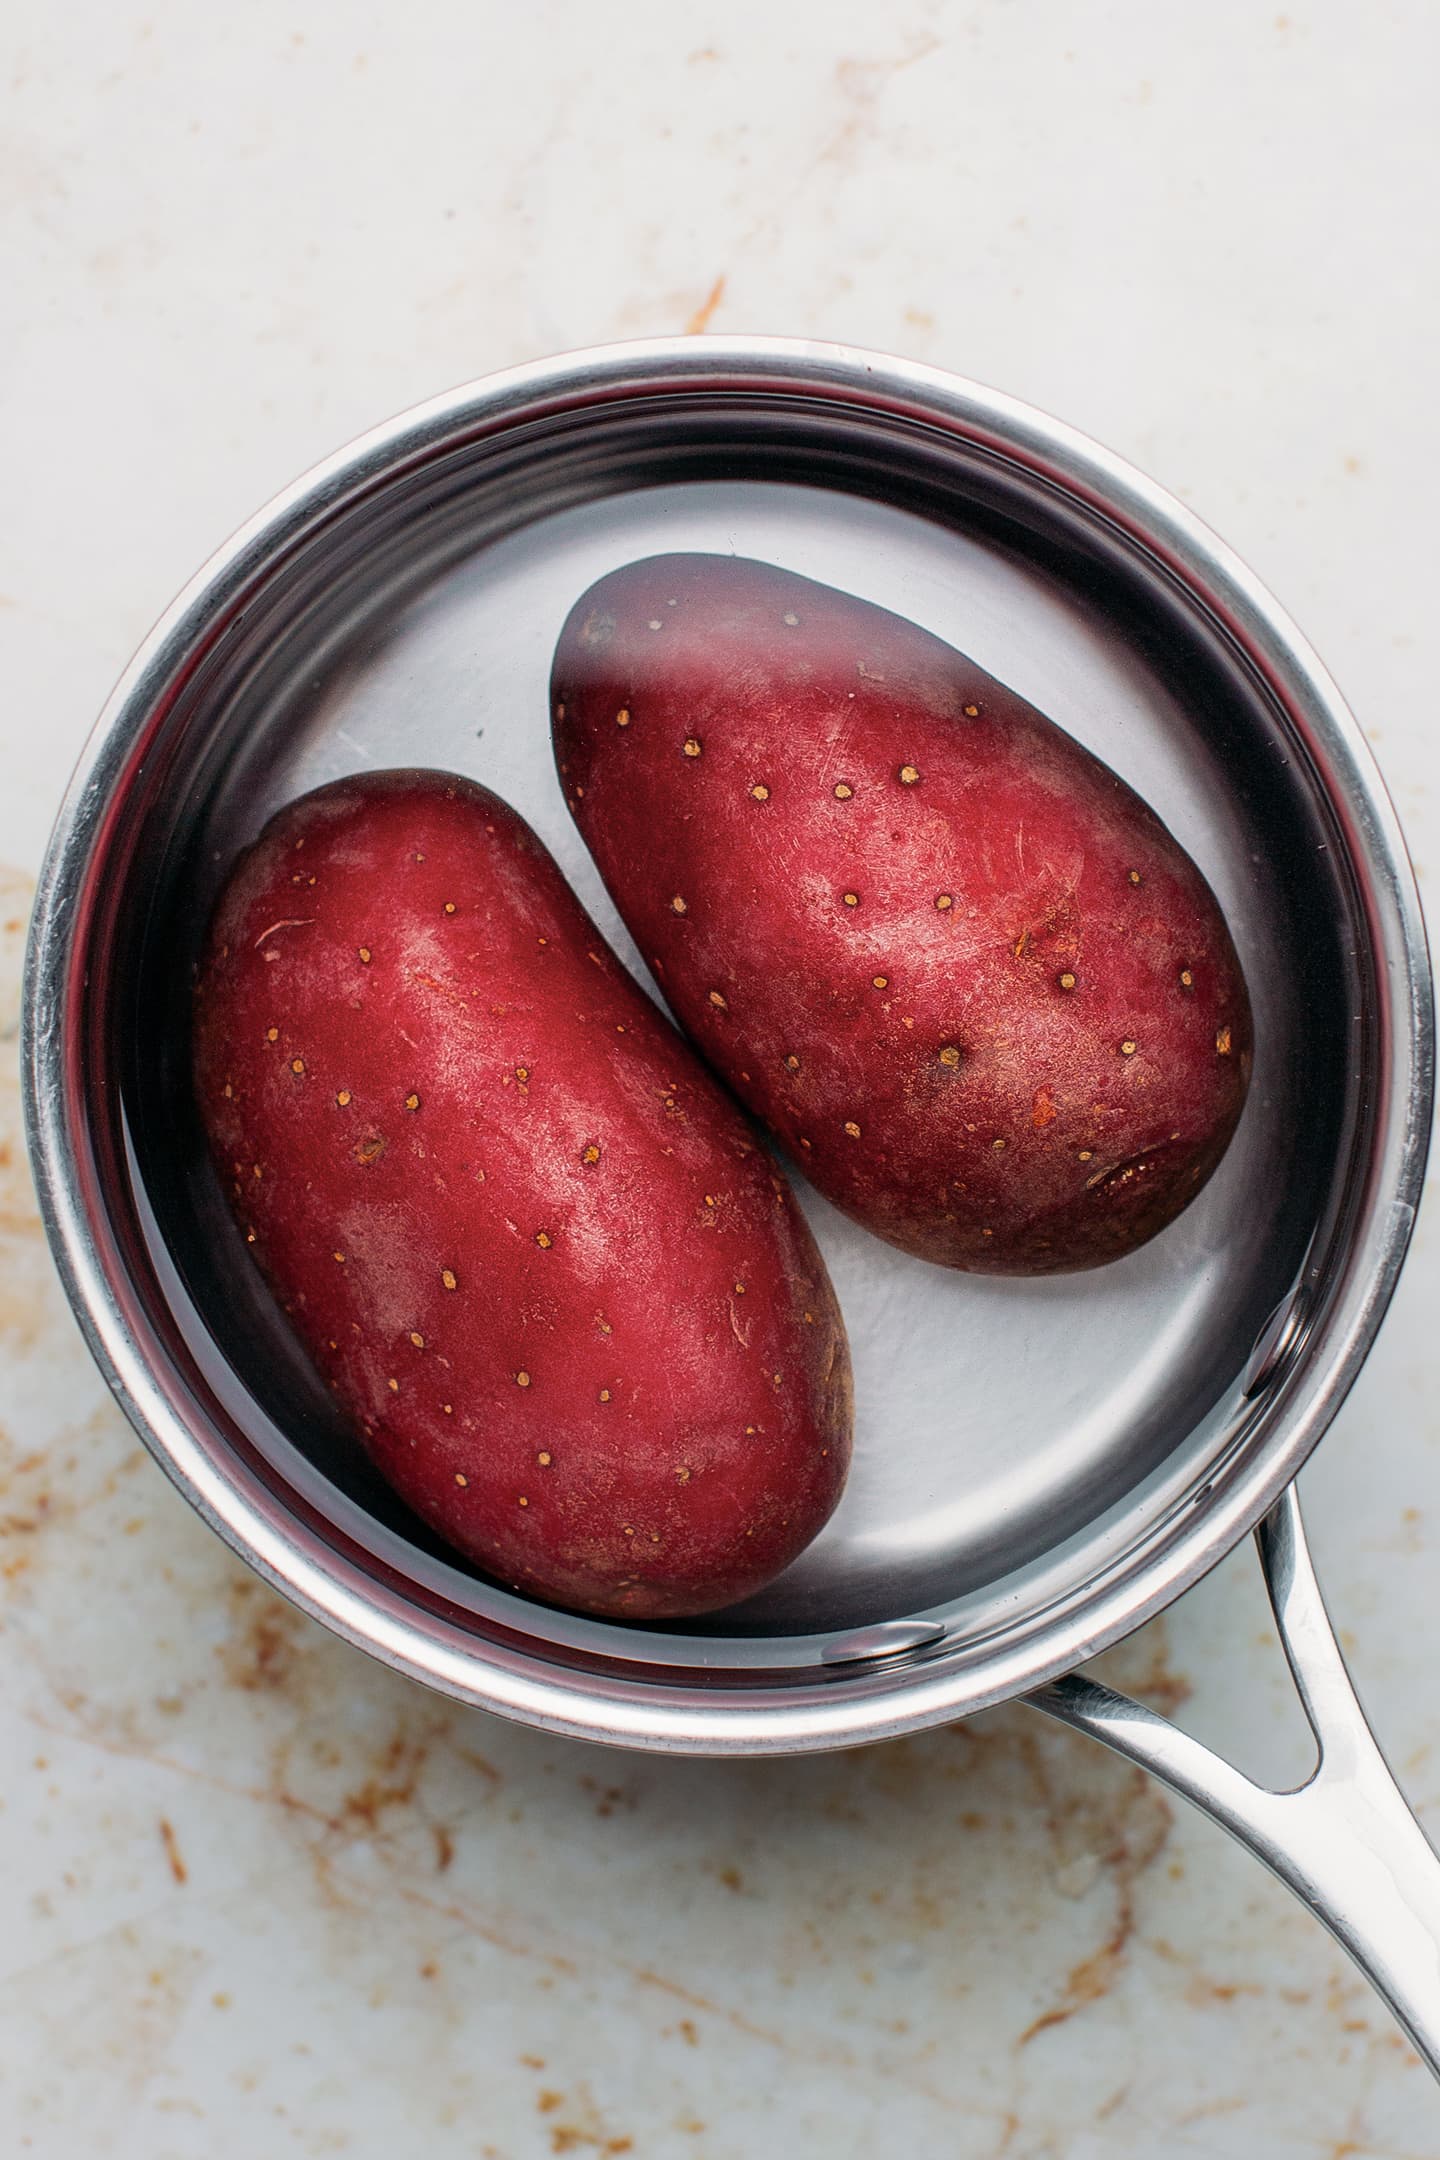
{"x":858,"y":86}
{"x":1094,"y":1976}
{"x":1125,"y":1837}
{"x":47,"y":1490}
{"x":1142,"y":1667}
{"x":584,"y":2128}
{"x":1102,"y":1831}
{"x":260,"y":1652}
{"x":700,"y":320}
{"x":173,"y":1858}
{"x":392,"y":1784}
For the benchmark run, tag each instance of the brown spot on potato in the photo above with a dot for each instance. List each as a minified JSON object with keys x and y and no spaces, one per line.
{"x":792,"y":1063}
{"x":272,"y":1034}
{"x":852,"y":1128}
{"x":543,"y":1458}
{"x":909,"y":774}
{"x":972,"y":712}
{"x":1134,"y":876}
{"x":460,"y":1478}
{"x":843,"y":791}
{"x":880,"y":982}
{"x":343,"y":1098}
{"x":544,"y":1240}
{"x":1042,"y":1109}
{"x":1066,"y":981}
{"x":412,"y":1101}
{"x":522,"y":1378}
{"x":297,"y":1065}
{"x":447,"y":1276}
{"x":851,"y":899}
{"x":950,"y":1056}
{"x":370,"y":1149}
{"x":1222,"y":1042}
{"x":1187,"y":980}
{"x":718,"y":999}
{"x":622,"y":718}
{"x":522,"y":1072}
{"x":1128,"y":1047}
{"x":760,"y":792}
{"x":449,"y":907}
{"x":394,"y":1386}
{"x":678,"y":904}
{"x":590,"y":1154}
{"x":692,"y":747}
{"x":365,"y":955}
{"x":417,"y":1338}
{"x":944,"y":900}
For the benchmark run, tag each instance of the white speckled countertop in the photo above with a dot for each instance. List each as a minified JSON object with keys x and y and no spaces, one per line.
{"x":260,"y":1897}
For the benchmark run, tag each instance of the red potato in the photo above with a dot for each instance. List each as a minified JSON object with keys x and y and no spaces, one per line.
{"x":533,"y":1248}
{"x":952,"y":960}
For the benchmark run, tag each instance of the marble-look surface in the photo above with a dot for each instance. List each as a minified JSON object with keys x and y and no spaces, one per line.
{"x":258,"y":1895}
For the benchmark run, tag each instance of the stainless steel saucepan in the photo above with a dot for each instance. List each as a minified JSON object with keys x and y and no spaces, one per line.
{"x":1040,"y":1466}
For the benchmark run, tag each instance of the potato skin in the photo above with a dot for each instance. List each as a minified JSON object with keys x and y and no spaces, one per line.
{"x":534,"y":1249}
{"x":948,"y":957}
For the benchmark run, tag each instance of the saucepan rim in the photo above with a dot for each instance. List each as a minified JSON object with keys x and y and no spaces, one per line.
{"x":895,"y":1683}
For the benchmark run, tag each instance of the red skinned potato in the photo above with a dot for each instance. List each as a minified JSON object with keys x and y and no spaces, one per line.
{"x":949,"y":958}
{"x":534,"y":1250}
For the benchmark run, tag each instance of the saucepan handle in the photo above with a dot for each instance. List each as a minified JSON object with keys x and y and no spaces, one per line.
{"x":1345,"y":1841}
